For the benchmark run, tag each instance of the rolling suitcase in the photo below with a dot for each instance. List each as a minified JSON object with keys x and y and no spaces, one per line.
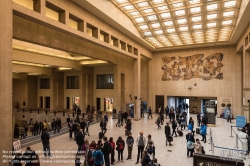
{"x":180,"y":133}
{"x":100,"y":135}
{"x":197,"y":130}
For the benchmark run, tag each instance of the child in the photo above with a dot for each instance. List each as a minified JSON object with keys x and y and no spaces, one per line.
{"x":155,"y":162}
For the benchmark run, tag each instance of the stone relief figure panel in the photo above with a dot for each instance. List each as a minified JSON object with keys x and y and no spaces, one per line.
{"x":194,"y":66}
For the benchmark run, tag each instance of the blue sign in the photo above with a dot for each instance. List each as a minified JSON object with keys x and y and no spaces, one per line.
{"x":240,"y":121}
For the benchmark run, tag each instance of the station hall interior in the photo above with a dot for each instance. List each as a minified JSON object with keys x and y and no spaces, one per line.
{"x":121,"y":54}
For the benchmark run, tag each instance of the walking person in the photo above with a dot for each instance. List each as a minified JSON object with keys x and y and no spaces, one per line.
{"x":140,"y":142}
{"x":190,"y":142}
{"x":174,"y":126}
{"x":167,"y":111}
{"x":106,"y":151}
{"x":114,"y":113}
{"x":158,"y":121}
{"x":229,"y":114}
{"x":129,"y":125}
{"x":203,"y":131}
{"x":103,"y":125}
{"x":36,"y":128}
{"x":130,"y":142}
{"x":120,"y":148}
{"x":168,"y":134}
{"x":119,"y":119}
{"x":80,"y":140}
{"x":112,"y":144}
{"x":150,"y":113}
{"x":45,"y":141}
{"x":142,"y":113}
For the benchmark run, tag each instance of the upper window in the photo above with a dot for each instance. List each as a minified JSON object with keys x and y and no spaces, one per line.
{"x":44,"y":83}
{"x":72,"y":82}
{"x":105,"y":81}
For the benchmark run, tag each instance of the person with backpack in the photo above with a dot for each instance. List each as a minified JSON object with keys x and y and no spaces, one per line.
{"x":174,"y":126}
{"x":112,"y":144}
{"x":190,"y":142}
{"x":130,"y":142}
{"x":140,"y":142}
{"x":80,"y":140}
{"x":106,"y":150}
{"x":151,"y":150}
{"x":146,"y":159}
{"x":98,"y":157}
{"x":120,"y":145}
{"x":150,"y":113}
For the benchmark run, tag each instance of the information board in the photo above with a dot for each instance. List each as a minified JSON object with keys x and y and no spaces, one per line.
{"x":240,"y":121}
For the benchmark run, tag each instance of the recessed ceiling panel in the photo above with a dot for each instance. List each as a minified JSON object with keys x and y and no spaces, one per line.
{"x":169,"y":23}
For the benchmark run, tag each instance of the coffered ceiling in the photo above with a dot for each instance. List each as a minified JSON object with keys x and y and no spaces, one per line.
{"x":171,"y":23}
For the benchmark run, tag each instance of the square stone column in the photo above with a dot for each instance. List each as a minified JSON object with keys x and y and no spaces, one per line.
{"x":6,"y":80}
{"x":137,"y":88}
{"x":57,"y":91}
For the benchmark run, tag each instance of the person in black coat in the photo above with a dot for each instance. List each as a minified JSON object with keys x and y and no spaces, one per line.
{"x":174,"y":126}
{"x":168,"y":134}
{"x":27,"y":156}
{"x":45,"y":140}
{"x":106,"y":150}
{"x":80,"y":140}
{"x":129,"y":125}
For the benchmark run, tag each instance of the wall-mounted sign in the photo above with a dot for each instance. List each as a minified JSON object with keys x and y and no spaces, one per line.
{"x":241,"y":121}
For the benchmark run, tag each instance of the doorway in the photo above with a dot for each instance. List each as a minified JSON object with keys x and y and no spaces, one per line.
{"x":41,"y":101}
{"x":47,"y":102}
{"x":159,"y":101}
{"x":67,"y":102}
{"x":144,"y":106}
{"x":98,"y":104}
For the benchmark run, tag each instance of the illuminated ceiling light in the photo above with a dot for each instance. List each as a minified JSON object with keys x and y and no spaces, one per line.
{"x":195,"y":19}
{"x":197,"y":26}
{"x":156,"y":25}
{"x":195,"y":10}
{"x":210,"y":25}
{"x":152,"y":17}
{"x":182,"y":21}
{"x":168,"y":23}
{"x":64,"y":68}
{"x":148,"y":10}
{"x":228,"y":22}
{"x":165,"y":15}
{"x":212,"y":7}
{"x":180,"y":12}
{"x":147,"y":33}
{"x":177,"y":4}
{"x":228,"y":14}
{"x":27,"y":63}
{"x":92,"y":62}
{"x":142,"y":4}
{"x":129,"y":7}
{"x":171,"y":30}
{"x":158,"y":1}
{"x":211,"y":16}
{"x":194,"y":1}
{"x":230,"y":4}
{"x":134,"y":13}
{"x":162,"y":8}
{"x":139,"y":19}
{"x":142,"y":27}
{"x":34,"y":74}
{"x":159,"y":32}
{"x":121,"y":1}
{"x":183,"y":28}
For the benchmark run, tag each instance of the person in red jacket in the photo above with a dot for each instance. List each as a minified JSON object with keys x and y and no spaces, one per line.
{"x":112,"y":144}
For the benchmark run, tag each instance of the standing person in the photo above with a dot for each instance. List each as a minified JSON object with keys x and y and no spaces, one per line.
{"x":27,"y":156}
{"x":149,"y":140}
{"x":45,"y":141}
{"x":142,"y":113}
{"x":80,"y":140}
{"x":70,"y":124}
{"x":68,"y":119}
{"x":174,"y":126}
{"x":229,"y":114}
{"x":114,"y":113}
{"x":166,"y":111}
{"x":119,"y":119}
{"x":74,"y":129}
{"x":130,"y":143}
{"x":140,"y":142}
{"x":106,"y":118}
{"x":203,"y":131}
{"x":243,"y":138}
{"x":103,"y":125}
{"x":146,"y":159}
{"x":168,"y":134}
{"x":87,"y":127}
{"x":88,"y":108}
{"x":161,"y":117}
{"x":191,"y":127}
{"x":151,"y":150}
{"x":198,"y":146}
{"x":122,"y":117}
{"x":106,"y":151}
{"x":98,"y":157}
{"x":190,"y":142}
{"x":158,"y":121}
{"x":83,"y":125}
{"x":120,"y":148}
{"x":125,"y":116}
{"x":199,"y":119}
{"x":112,"y":144}
{"x":150,"y":113}
{"x":40,"y":127}
{"x":36,"y":128}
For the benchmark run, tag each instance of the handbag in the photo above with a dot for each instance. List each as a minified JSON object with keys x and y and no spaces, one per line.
{"x":190,"y":145}
{"x":170,"y":138}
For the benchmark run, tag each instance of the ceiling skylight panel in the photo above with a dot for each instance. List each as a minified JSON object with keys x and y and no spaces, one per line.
{"x":195,"y":10}
{"x":212,"y":7}
{"x":129,"y":7}
{"x":152,"y":17}
{"x":175,"y":5}
{"x":148,"y":10}
{"x":180,"y":12}
{"x":143,"y":27}
{"x":182,"y":21}
{"x":210,"y":25}
{"x":171,"y":30}
{"x":134,"y":13}
{"x":195,"y":19}
{"x":139,"y":19}
{"x":157,"y":1}
{"x":156,"y":25}
{"x":168,"y":23}
{"x":183,"y":28}
{"x":228,"y":14}
{"x":147,"y":33}
{"x":159,"y":32}
{"x":211,"y":16}
{"x":142,"y":4}
{"x":194,"y":1}
{"x":230,"y":4}
{"x":228,"y":22}
{"x":165,"y":15}
{"x":199,"y":26}
{"x":162,"y":8}
{"x":121,"y":1}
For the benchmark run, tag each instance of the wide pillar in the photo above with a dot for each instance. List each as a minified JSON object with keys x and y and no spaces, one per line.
{"x":57,"y":91}
{"x":137,"y":88}
{"x":5,"y":78}
{"x":117,"y":88}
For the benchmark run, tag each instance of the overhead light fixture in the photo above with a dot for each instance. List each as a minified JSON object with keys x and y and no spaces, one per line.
{"x":159,"y":32}
{"x":183,"y":28}
{"x":182,"y":21}
{"x":121,"y":1}
{"x":34,"y":74}
{"x":194,"y":1}
{"x":171,"y":30}
{"x":210,"y":25}
{"x":64,"y":68}
{"x":199,"y":26}
{"x":27,"y":63}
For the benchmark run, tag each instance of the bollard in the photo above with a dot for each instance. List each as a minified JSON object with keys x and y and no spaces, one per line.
{"x":73,"y":114}
{"x":54,"y":113}
{"x":38,"y":111}
{"x":46,"y":112}
{"x":63,"y":113}
{"x":237,"y":141}
{"x":23,"y":110}
{"x":231,"y":131}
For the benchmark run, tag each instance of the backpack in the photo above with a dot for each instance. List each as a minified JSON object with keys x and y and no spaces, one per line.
{"x":106,"y":117}
{"x":190,"y":145}
{"x":89,"y":155}
{"x":98,"y":158}
{"x":150,"y":150}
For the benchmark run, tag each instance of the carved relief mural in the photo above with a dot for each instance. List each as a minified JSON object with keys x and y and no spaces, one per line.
{"x":194,"y":66}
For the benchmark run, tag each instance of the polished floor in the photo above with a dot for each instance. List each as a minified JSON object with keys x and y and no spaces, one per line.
{"x":175,"y":155}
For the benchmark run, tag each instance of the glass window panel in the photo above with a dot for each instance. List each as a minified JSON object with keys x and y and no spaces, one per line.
{"x":228,"y":14}
{"x":195,"y":19}
{"x":168,"y":23}
{"x":211,"y":16}
{"x":156,"y":25}
{"x":180,"y":12}
{"x":142,"y":4}
{"x":147,"y":33}
{"x":158,"y":1}
{"x":177,"y":4}
{"x":152,"y":17}
{"x":121,"y":1}
{"x":129,"y":7}
{"x":183,"y":28}
{"x":171,"y":30}
{"x":159,"y":32}
{"x":134,"y":13}
{"x":230,"y":4}
{"x":165,"y":15}
{"x":212,"y":7}
{"x":162,"y":8}
{"x":148,"y":10}
{"x":197,"y":26}
{"x":142,"y":27}
{"x":182,"y":21}
{"x":213,"y":24}
{"x":194,"y":1}
{"x":195,"y":10}
{"x":139,"y":19}
{"x":228,"y":22}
